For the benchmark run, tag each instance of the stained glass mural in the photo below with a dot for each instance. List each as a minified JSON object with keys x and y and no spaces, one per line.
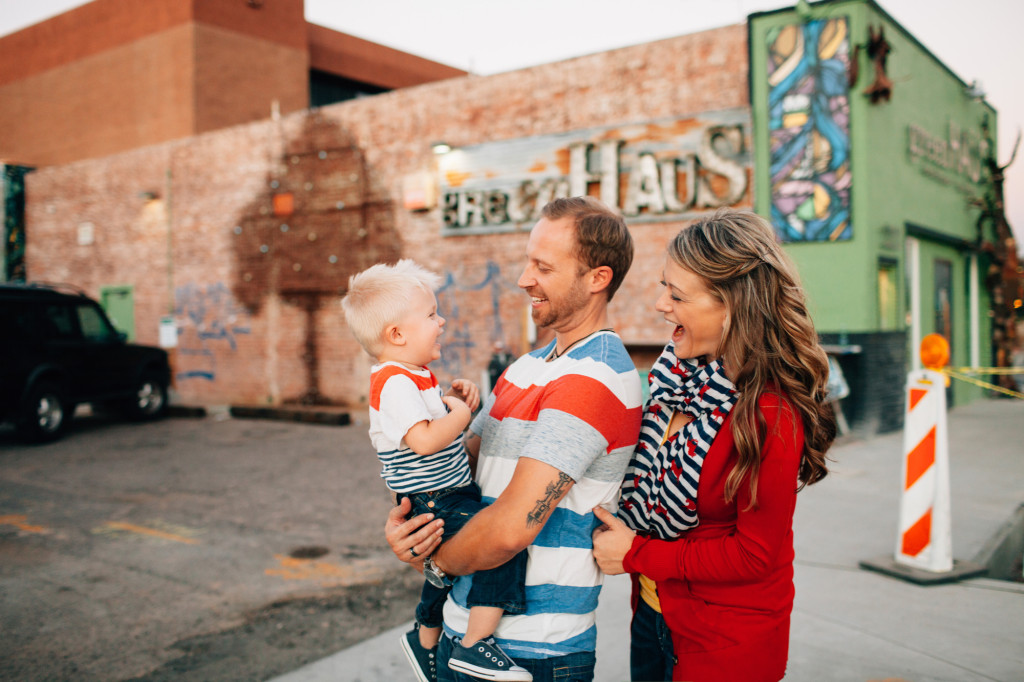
{"x":12,"y":220}
{"x":809,"y":130}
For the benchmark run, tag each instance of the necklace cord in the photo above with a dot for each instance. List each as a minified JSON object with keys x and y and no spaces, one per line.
{"x":554,"y":351}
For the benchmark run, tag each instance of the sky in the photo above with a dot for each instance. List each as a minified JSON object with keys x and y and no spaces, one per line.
{"x":978,"y":40}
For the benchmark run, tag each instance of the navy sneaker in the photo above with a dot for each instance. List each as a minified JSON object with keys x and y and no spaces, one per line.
{"x":486,"y":660}
{"x":422,"y":660}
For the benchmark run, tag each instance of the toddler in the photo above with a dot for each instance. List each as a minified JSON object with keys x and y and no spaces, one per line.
{"x":417,"y":431}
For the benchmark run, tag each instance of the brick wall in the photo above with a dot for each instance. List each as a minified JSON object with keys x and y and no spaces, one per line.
{"x":255,"y":287}
{"x":125,"y":96}
{"x":877,"y":377}
{"x":238,"y":78}
{"x":146,"y":72}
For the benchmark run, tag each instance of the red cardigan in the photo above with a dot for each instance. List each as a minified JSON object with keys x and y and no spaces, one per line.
{"x":726,"y":586}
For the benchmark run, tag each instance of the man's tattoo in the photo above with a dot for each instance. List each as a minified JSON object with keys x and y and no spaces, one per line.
{"x":552,"y":493}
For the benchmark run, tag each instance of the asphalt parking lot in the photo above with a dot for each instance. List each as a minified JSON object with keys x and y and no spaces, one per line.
{"x":206,"y":548}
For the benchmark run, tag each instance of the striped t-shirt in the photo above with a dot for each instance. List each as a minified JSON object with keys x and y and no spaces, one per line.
{"x":580,"y":413}
{"x":400,"y":398}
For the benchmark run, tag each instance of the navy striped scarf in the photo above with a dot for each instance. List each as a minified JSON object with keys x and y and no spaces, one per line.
{"x":659,"y":490}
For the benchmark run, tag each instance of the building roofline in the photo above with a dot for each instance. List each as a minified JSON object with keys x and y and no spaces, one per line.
{"x":362,"y":60}
{"x":885,"y":15}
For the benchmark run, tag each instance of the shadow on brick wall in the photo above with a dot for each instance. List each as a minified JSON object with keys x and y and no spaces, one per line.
{"x":320,"y":219}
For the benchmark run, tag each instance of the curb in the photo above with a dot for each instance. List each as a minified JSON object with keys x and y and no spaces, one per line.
{"x":189,"y":411}
{"x":305,"y":415}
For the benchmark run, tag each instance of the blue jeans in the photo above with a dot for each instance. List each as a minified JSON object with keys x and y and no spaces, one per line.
{"x":651,"y":655}
{"x":578,"y":667}
{"x":502,"y":586}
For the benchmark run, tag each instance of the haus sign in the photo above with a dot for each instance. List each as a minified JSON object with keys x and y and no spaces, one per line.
{"x":658,"y":171}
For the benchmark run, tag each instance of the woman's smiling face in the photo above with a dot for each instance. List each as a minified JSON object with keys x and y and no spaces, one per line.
{"x":699,"y":317}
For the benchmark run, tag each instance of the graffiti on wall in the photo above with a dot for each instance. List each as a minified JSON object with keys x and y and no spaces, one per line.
{"x":210,"y":321}
{"x":458,"y":342}
{"x":809,"y":130}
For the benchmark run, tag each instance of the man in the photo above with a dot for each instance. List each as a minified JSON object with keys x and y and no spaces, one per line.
{"x":500,"y":360}
{"x":553,"y":439}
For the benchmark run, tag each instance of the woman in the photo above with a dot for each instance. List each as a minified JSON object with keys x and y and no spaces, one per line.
{"x":736,"y":417}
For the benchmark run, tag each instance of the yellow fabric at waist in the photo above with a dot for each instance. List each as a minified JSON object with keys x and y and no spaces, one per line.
{"x":649,"y":593}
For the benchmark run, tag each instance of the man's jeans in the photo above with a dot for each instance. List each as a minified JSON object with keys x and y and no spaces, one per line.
{"x":651,"y":655}
{"x":577,"y":667}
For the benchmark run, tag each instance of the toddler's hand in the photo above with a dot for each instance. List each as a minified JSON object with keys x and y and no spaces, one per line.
{"x":468,"y":391}
{"x":456,"y":405}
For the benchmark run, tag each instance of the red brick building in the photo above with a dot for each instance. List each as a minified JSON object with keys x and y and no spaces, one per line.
{"x":113,"y":75}
{"x":246,"y":236}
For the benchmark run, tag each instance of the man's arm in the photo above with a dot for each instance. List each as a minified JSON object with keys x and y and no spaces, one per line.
{"x":472,"y":445}
{"x":500,"y":531}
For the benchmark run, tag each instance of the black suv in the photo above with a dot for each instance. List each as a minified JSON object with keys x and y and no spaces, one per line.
{"x":59,"y":349}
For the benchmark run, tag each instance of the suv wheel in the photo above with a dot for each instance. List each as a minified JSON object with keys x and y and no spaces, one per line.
{"x":149,"y":399}
{"x":45,"y":414}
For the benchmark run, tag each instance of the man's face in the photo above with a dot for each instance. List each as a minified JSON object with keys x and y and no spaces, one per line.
{"x":553,"y":277}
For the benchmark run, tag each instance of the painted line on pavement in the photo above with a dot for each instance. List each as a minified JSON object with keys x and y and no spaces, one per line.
{"x":151,"y":532}
{"x":19,"y":522}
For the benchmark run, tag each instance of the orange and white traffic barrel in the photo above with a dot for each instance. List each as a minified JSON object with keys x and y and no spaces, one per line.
{"x":924,"y":540}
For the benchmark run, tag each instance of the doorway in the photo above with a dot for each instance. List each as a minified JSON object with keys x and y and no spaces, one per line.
{"x":118,"y":303}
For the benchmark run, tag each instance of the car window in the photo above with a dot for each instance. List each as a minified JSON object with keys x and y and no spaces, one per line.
{"x":17,"y":322}
{"x":59,"y":325}
{"x":22,"y":322}
{"x":94,"y":326}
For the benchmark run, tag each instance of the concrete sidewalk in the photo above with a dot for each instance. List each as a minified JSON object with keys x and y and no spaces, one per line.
{"x":850,"y":624}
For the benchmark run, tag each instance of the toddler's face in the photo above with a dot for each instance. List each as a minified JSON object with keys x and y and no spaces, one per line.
{"x":422,"y":328}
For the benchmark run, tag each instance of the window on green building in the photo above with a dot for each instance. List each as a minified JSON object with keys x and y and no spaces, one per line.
{"x":888,"y":303}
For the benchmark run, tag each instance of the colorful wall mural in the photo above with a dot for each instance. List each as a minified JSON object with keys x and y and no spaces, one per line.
{"x":809,"y":130}
{"x":12,"y":223}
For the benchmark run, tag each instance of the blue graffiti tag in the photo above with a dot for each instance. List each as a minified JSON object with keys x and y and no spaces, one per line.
{"x":456,"y":348}
{"x":210,"y":314}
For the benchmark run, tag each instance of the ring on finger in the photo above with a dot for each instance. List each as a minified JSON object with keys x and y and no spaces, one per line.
{"x":412,"y":550}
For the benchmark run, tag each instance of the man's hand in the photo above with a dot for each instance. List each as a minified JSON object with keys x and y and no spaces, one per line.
{"x":414,"y":540}
{"x":467,"y":391}
{"x":612,"y":541}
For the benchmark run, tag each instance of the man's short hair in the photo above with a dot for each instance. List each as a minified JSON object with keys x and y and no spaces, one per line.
{"x":602,"y":237}
{"x":379,"y":296}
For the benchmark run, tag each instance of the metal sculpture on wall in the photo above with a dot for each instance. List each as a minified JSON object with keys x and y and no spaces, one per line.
{"x":880,"y":89}
{"x":809,"y":130}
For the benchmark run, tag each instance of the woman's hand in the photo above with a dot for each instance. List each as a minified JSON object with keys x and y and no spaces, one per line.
{"x":467,"y":391}
{"x":612,"y":541}
{"x":413,"y":540}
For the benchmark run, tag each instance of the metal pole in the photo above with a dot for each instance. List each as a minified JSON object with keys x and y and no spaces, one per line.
{"x":170,"y":246}
{"x":914,"y":282}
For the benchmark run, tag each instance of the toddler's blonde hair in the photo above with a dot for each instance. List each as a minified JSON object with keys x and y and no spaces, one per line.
{"x":380,"y":296}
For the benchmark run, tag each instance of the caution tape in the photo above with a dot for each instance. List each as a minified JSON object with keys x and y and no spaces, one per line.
{"x":988,"y":370}
{"x":959,"y":373}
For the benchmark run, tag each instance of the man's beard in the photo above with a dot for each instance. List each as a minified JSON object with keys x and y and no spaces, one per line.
{"x":558,"y":311}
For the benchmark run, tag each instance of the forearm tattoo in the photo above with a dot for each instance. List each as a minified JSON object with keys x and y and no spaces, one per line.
{"x":552,"y":493}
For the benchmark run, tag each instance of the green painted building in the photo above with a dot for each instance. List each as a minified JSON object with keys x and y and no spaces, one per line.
{"x":868,"y":153}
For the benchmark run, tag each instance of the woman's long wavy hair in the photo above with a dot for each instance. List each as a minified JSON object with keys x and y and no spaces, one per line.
{"x":769,"y":343}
